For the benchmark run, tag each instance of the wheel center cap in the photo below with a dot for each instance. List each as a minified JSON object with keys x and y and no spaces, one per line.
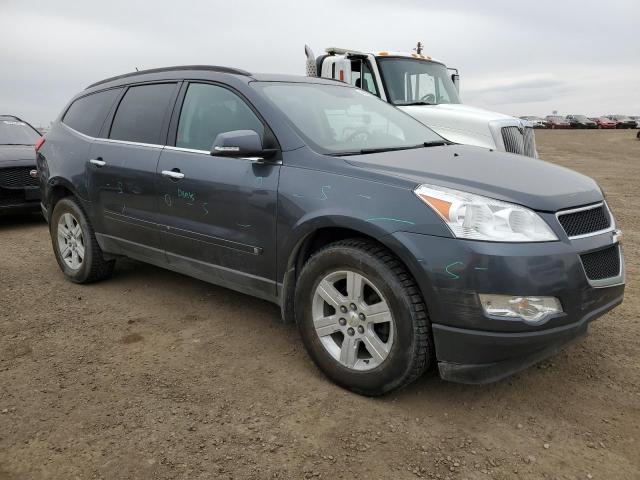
{"x":353,"y":319}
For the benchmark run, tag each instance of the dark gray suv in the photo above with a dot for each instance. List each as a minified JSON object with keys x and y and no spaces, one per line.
{"x":392,"y":249}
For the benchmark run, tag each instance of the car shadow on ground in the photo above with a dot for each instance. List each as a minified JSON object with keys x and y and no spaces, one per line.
{"x":12,"y":221}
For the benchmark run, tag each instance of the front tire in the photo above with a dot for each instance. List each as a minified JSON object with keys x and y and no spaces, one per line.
{"x":362,"y":318}
{"x":75,"y":246}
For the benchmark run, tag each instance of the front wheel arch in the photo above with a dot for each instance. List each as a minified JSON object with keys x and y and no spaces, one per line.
{"x":322,"y":237}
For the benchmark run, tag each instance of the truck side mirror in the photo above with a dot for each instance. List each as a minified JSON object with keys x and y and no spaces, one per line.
{"x":455,"y":78}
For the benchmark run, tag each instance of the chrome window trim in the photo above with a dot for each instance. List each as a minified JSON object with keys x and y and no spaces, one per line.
{"x":134,"y":144}
{"x":612,"y":224}
{"x":188,"y":150}
{"x":111,"y":140}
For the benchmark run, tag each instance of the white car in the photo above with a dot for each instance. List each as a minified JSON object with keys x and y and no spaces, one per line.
{"x":427,"y":90}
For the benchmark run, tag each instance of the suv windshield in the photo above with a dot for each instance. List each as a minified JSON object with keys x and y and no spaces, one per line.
{"x":410,"y":81}
{"x":335,"y":119}
{"x":15,"y":132}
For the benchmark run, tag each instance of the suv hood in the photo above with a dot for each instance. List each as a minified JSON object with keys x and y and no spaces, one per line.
{"x":11,"y":153}
{"x":526,"y":181}
{"x":460,"y":123}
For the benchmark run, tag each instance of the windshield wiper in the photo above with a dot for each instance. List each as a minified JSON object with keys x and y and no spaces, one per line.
{"x":411,"y":104}
{"x":365,"y":151}
{"x":25,"y":144}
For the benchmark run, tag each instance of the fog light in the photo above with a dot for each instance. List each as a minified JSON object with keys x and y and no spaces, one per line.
{"x":529,"y":309}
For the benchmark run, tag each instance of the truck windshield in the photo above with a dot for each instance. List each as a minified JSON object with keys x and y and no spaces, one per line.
{"x":14,"y":132}
{"x":341,"y":120}
{"x":410,"y":81}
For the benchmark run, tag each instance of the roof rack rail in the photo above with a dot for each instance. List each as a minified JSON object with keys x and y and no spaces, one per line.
{"x":212,"y":68}
{"x":12,"y":116}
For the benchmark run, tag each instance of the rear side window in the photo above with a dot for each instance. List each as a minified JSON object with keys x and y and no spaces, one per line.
{"x":87,"y":114}
{"x":209,"y":110}
{"x":141,"y":113}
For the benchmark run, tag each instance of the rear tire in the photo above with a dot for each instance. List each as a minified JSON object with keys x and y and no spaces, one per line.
{"x":75,"y":246}
{"x":385,"y":318}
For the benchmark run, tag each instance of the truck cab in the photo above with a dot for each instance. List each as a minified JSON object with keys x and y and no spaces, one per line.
{"x":427,"y":90}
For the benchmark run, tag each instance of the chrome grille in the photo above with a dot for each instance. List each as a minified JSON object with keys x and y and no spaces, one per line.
{"x":17,"y":177}
{"x":584,"y":221}
{"x":602,"y":264}
{"x":519,"y":140}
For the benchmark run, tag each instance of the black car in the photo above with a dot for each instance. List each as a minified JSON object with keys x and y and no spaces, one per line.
{"x":581,"y":121}
{"x":19,"y":190}
{"x":392,"y":249}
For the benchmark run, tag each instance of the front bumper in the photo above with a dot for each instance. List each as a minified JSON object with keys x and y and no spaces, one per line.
{"x":19,"y":200}
{"x":472,"y":347}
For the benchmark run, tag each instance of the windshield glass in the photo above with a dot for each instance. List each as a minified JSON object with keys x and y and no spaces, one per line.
{"x":13,"y":132}
{"x":582,"y":118}
{"x":334,"y":119}
{"x":411,"y":81}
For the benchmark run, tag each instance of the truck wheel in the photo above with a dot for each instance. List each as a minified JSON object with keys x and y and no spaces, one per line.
{"x":362,"y":318}
{"x":74,"y":244}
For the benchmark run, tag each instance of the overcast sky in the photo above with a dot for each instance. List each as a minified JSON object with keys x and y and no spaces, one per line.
{"x":520,"y":58}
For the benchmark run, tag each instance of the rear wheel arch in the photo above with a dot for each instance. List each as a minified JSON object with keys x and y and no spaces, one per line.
{"x":57,"y":192}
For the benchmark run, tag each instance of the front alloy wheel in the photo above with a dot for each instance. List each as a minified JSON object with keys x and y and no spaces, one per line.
{"x":362,"y":318}
{"x":352,"y":320}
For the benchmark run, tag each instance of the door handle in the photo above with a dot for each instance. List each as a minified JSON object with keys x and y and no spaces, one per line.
{"x":98,"y":162}
{"x":173,"y":174}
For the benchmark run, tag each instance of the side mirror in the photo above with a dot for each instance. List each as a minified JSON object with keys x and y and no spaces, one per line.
{"x":455,"y":78}
{"x":241,"y":144}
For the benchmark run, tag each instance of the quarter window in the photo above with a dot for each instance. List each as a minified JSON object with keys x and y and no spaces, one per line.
{"x":87,"y":114}
{"x":141,"y":113}
{"x":209,"y":110}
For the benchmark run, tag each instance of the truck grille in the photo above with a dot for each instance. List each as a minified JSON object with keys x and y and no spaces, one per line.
{"x":583,"y":222}
{"x":520,"y":141}
{"x":602,"y":264}
{"x":16,"y":177}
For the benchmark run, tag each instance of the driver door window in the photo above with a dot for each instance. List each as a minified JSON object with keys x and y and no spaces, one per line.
{"x":209,"y":110}
{"x":367,"y":82}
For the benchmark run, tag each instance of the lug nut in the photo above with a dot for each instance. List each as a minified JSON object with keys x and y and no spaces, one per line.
{"x":343,"y":309}
{"x":351,"y":332}
{"x":360,"y":329}
{"x":361,"y":316}
{"x":342,"y":322}
{"x":353,"y":306}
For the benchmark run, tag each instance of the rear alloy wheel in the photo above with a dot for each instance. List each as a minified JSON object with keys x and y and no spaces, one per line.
{"x":70,"y":241}
{"x":362,"y":318}
{"x":74,"y":244}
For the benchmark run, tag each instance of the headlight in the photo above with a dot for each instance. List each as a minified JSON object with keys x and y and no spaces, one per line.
{"x":481,"y":218}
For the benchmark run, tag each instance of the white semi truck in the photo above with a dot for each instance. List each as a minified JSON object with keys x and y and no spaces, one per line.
{"x":427,"y":90}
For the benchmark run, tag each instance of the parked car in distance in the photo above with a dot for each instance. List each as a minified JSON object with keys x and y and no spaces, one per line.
{"x":623,"y":121}
{"x":636,"y":118}
{"x":537,"y":122}
{"x":604,"y":122}
{"x":391,"y":248}
{"x":19,"y":190}
{"x":581,"y":121}
{"x":557,"y":121}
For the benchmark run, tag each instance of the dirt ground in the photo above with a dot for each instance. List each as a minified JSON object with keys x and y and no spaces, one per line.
{"x":154,"y":375}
